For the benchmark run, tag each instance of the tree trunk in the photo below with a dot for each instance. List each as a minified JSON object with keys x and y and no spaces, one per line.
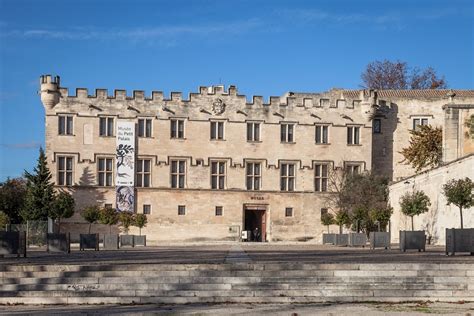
{"x":90,"y":224}
{"x":140,"y":230}
{"x":110,"y":229}
{"x":460,"y":211}
{"x":340,"y":229}
{"x":328,"y":229}
{"x":412,"y":226}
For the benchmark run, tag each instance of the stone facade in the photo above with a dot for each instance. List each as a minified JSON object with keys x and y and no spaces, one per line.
{"x":317,"y":136}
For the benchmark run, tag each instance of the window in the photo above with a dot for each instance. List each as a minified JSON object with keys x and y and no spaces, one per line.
{"x":287,"y":177}
{"x":218,"y":175}
{"x":324,"y":211}
{"x":177,"y":128}
{"x":321,"y":177}
{"x":143,"y":173}
{"x":65,"y":170}
{"x":108,"y":205}
{"x":288,"y":212}
{"x":105,"y":171}
{"x":341,"y":103}
{"x":324,"y":103}
{"x":181,"y":210}
{"x":322,"y":134}
{"x":219,"y":210}
{"x":377,"y":126}
{"x":419,"y":121}
{"x":144,"y":127}
{"x":353,"y":135}
{"x":253,"y":175}
{"x":217,"y":130}
{"x":178,"y":173}
{"x":65,"y":125}
{"x":287,"y":133}
{"x":353,"y":168}
{"x":253,"y":132}
{"x":106,"y":127}
{"x":146,"y":209}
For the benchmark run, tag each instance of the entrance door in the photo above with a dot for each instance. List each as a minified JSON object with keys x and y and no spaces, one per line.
{"x":255,"y":222}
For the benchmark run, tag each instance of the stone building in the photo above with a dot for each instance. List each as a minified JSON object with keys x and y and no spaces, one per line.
{"x":214,"y":164}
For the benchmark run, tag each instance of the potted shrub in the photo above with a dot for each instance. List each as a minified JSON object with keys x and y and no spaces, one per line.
{"x":357,"y":217}
{"x":109,"y":216}
{"x":90,"y":241}
{"x":342,"y":218}
{"x":413,"y":204}
{"x":140,"y":221}
{"x":459,"y":193}
{"x":327,"y":219}
{"x":126,"y":220}
{"x":381,"y":217}
{"x":61,"y":207}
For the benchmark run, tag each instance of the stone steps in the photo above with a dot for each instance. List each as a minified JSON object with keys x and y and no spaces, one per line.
{"x":235,"y":283}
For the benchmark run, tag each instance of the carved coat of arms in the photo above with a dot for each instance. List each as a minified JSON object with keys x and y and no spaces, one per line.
{"x":218,"y":107}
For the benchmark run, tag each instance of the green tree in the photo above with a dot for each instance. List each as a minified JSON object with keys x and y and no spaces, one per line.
{"x":91,"y":215}
{"x":342,"y":218}
{"x":109,"y":216}
{"x":4,"y":220}
{"x":39,"y":192}
{"x":425,"y":149}
{"x":62,"y":207}
{"x":140,"y":222}
{"x":126,"y":220}
{"x":327,"y":219}
{"x":381,"y":216}
{"x":12,"y":198}
{"x":459,"y":193}
{"x":413,"y":204}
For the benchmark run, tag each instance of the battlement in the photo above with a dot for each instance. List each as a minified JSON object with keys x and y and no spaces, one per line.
{"x":48,"y":79}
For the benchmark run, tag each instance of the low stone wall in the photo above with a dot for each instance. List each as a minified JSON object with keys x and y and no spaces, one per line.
{"x":235,"y":283}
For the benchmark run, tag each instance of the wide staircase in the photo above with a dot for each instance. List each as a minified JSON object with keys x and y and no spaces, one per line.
{"x":237,"y":282}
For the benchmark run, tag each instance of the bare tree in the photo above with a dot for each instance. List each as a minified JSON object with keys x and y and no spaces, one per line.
{"x":398,"y":75}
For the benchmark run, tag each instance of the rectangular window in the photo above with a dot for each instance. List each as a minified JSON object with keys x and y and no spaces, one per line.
{"x":178,"y":173}
{"x":177,"y":128}
{"x":65,"y":170}
{"x":106,"y":127}
{"x":65,"y":126}
{"x":322,"y":134}
{"x":219,"y":210}
{"x":324,"y":211}
{"x":146,"y":209}
{"x":218,"y":175}
{"x":143,"y":173}
{"x":353,"y":133}
{"x":321,"y":177}
{"x":377,"y":126}
{"x":108,"y":205}
{"x":287,"y":133}
{"x":253,"y":132}
{"x":144,"y":127}
{"x":287,"y":177}
{"x":253,"y":175}
{"x":353,"y":168}
{"x":324,"y":103}
{"x":217,"y":130}
{"x":105,"y":171}
{"x":288,"y":212}
{"x":181,"y":210}
{"x":419,"y":121}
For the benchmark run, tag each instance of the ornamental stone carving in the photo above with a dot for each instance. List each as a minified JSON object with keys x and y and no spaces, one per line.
{"x":218,"y":107}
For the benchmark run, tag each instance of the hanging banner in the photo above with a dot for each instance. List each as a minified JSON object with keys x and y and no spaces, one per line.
{"x":125,"y":166}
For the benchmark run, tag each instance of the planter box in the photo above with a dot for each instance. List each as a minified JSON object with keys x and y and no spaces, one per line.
{"x":342,"y":239}
{"x":111,"y":241}
{"x":459,"y":240}
{"x":139,"y":240}
{"x":357,"y":239}
{"x":379,"y":240}
{"x":13,"y":243}
{"x":412,"y":240}
{"x":127,"y":240}
{"x":329,"y":239}
{"x":58,"y":243}
{"x":89,"y":241}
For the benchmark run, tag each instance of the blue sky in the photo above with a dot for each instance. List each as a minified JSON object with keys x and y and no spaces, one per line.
{"x":264,"y":47}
